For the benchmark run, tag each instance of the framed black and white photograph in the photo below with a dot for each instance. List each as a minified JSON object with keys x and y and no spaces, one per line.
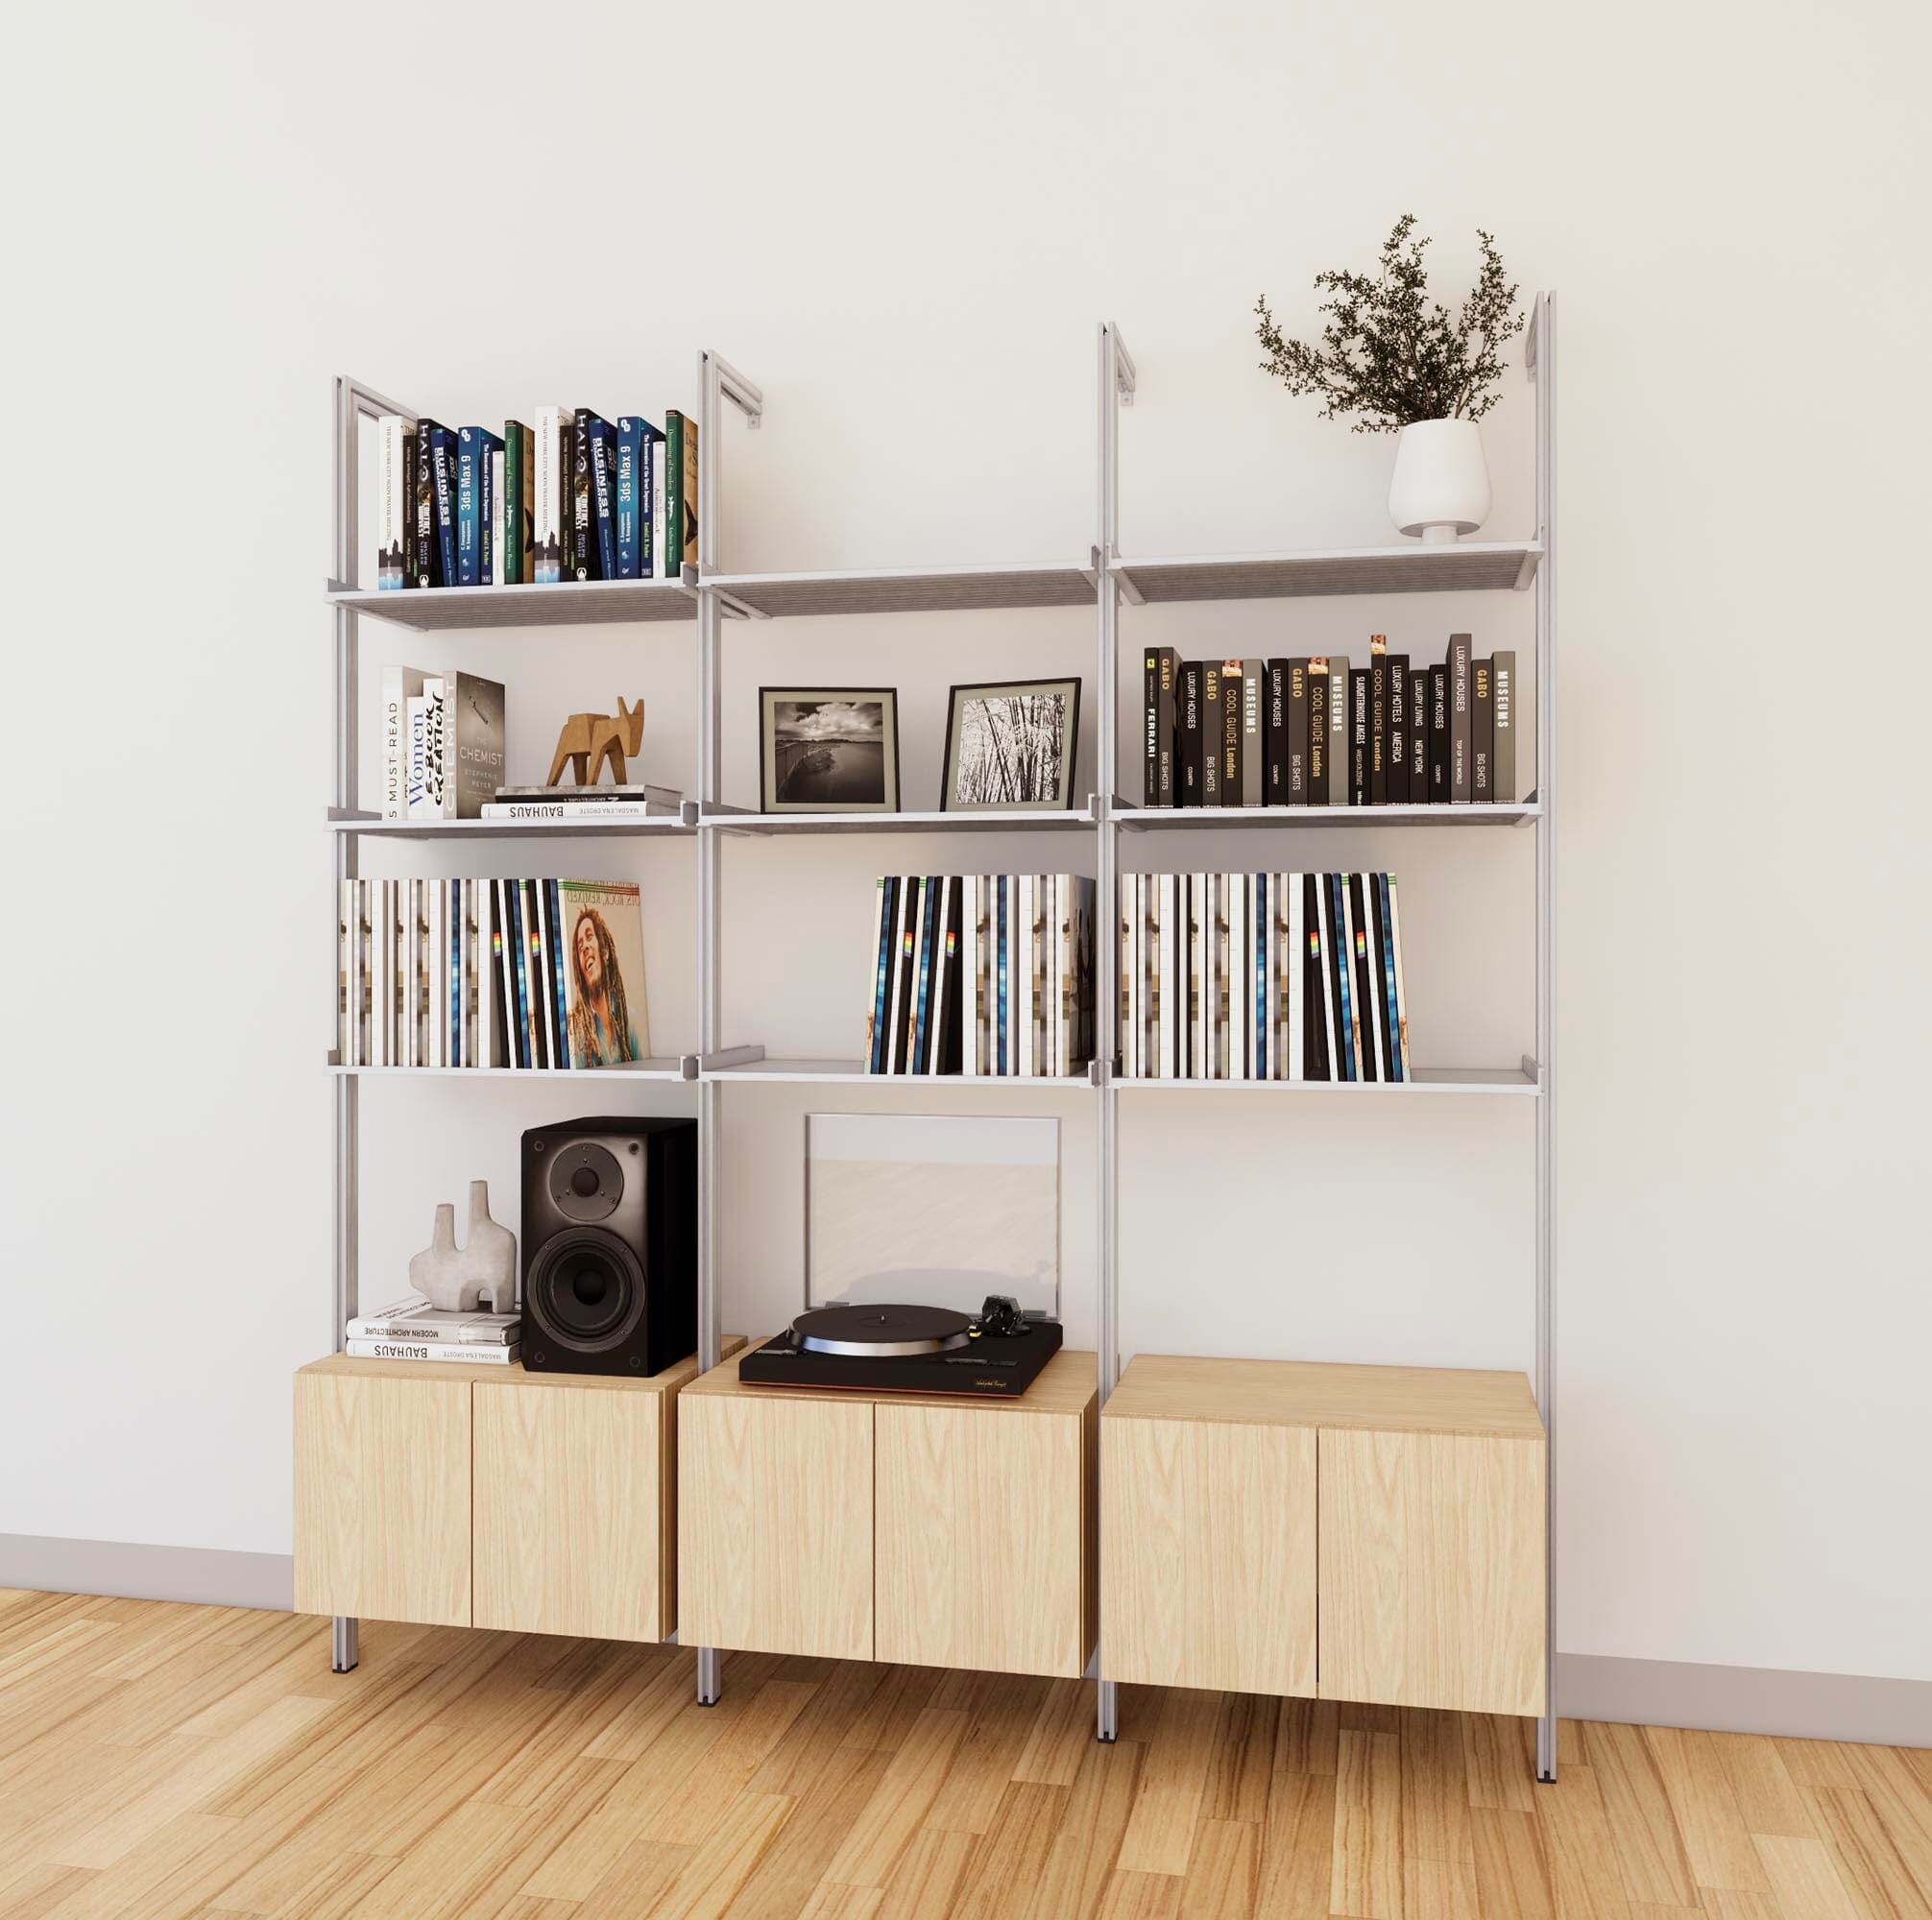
{"x":828,"y":750}
{"x":1011,"y":744}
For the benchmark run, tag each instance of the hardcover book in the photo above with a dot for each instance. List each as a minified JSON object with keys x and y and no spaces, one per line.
{"x":1211,"y":726}
{"x":1482,"y":731}
{"x":1192,"y":702}
{"x":588,"y":509}
{"x":1295,"y":729}
{"x":1503,"y":707}
{"x":550,"y":494}
{"x":1274,"y":735}
{"x":1378,"y":720}
{"x":474,"y":447}
{"x":681,"y":492}
{"x":604,"y":495}
{"x":1439,"y":736}
{"x":640,"y":453}
{"x":602,"y":931}
{"x":1418,"y":734}
{"x":395,"y":501}
{"x":1399,"y":742}
{"x":442,"y":483}
{"x":1253,"y":761}
{"x":1460,"y":720}
{"x":1318,"y":732}
{"x":516,"y":563}
{"x":1337,"y":732}
{"x":428,"y":547}
{"x":1162,"y":678}
{"x":401,"y":684}
{"x":1358,"y":737}
{"x":1232,"y":776}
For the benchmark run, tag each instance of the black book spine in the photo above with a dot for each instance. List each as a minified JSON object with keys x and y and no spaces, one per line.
{"x":429,"y":550}
{"x":1150,"y":704}
{"x":1230,"y":733}
{"x":1363,"y":978}
{"x":1377,"y":723}
{"x":1191,"y":733}
{"x":1211,"y":732}
{"x":409,"y":561}
{"x":583,"y":520}
{"x":1418,"y":735}
{"x":1398,"y":729}
{"x":1458,"y":719}
{"x":1482,"y":730}
{"x":1314,"y":1001}
{"x":1358,"y":737}
{"x":1439,"y":736}
{"x":1503,"y":749}
{"x":1296,"y":726}
{"x":1277,"y":786}
{"x":1168,"y":781}
{"x":1318,"y":732}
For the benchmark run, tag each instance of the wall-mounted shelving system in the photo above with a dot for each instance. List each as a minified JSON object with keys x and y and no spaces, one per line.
{"x":1100,"y":582}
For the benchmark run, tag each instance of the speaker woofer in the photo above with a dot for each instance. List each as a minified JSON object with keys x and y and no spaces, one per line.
{"x":586,"y":1290}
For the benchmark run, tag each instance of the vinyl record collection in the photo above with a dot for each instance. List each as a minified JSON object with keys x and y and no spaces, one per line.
{"x":1262,"y":977}
{"x":490,"y":973}
{"x":578,"y":499}
{"x":981,"y":973}
{"x":1315,"y":731}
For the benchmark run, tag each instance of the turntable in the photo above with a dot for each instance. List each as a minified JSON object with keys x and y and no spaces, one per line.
{"x":874,"y":1348}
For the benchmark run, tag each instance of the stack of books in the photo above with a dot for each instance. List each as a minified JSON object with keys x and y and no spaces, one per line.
{"x":442,"y":744}
{"x":1315,"y":731}
{"x":1262,"y":977}
{"x":490,"y":972}
{"x":981,"y":973}
{"x":578,"y":499}
{"x":413,"y":1330}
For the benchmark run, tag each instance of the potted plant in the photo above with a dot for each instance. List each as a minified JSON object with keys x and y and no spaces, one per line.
{"x":1402,"y":363}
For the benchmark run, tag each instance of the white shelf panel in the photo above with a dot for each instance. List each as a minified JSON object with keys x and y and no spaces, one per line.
{"x":909,"y":590}
{"x":823,"y":1070}
{"x":564,"y":603}
{"x":633,"y":1070}
{"x":900,"y":822}
{"x":504,"y":830}
{"x":1471,"y":566}
{"x":1427,"y":1080}
{"x":1146,"y":819}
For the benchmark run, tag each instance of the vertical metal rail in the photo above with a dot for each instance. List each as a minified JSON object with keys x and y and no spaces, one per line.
{"x":351,"y":403}
{"x":718,"y":382}
{"x":1116,"y":380}
{"x":1541,"y":355}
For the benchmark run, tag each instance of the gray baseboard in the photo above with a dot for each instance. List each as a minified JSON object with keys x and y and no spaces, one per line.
{"x":1745,"y":1699}
{"x":128,"y":1571}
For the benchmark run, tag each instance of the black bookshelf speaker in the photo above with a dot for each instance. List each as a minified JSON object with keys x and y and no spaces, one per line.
{"x":609,"y":1246}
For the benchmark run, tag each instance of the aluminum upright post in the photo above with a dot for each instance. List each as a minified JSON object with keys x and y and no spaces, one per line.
{"x":1116,"y":390}
{"x":718,"y":381}
{"x":1542,"y":359}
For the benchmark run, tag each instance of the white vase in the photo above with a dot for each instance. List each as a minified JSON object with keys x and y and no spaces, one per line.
{"x":1441,"y":487}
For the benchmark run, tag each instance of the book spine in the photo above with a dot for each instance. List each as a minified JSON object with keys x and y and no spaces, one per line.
{"x":1295,"y":732}
{"x":886,"y":898}
{"x":942,"y":1021}
{"x":651,"y":560}
{"x":1274,"y":735}
{"x":559,"y":966}
{"x":1210,"y":732}
{"x":1418,"y":735}
{"x":430,"y":1332}
{"x":498,"y":528}
{"x":603,"y":497}
{"x":1502,"y":747}
{"x":1190,"y":794}
{"x":1482,"y":731}
{"x":393,"y":492}
{"x":443,"y":480}
{"x":1358,"y":737}
{"x":424,"y":1350}
{"x":684,"y":475}
{"x":921,"y":1026}
{"x":516,"y":552}
{"x":1378,"y":720}
{"x":1324,"y":1062}
{"x":583,"y":519}
{"x":1391,"y":998}
{"x":1230,"y":733}
{"x":1401,"y":992}
{"x":1318,"y":782}
{"x":1345,"y":1029}
{"x":1439,"y":736}
{"x":1460,"y":720}
{"x":489,"y":509}
{"x":428,"y":548}
{"x":1253,"y":731}
{"x":1294,"y":981}
{"x":1167,"y":781}
{"x":1337,"y":731}
{"x":1399,"y":730}
{"x":469,"y":501}
{"x":628,"y":494}
{"x":548,"y":493}
{"x":674,"y":501}
{"x":1367,"y":996}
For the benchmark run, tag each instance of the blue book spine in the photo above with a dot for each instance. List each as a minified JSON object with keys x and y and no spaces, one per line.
{"x":1345,"y":1019}
{"x":487,"y":447}
{"x":442,"y":479}
{"x":1385,"y":946}
{"x":519,"y":973}
{"x":469,"y":501}
{"x":628,"y":439}
{"x":560,"y":964}
{"x":876,"y":1061}
{"x":928,"y":919}
{"x":604,"y":496}
{"x":651,"y":483}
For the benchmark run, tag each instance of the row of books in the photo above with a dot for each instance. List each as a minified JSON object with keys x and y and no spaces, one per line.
{"x":443,"y":744}
{"x":490,"y":973}
{"x":579,"y":497}
{"x":1315,"y":731}
{"x":981,"y":973}
{"x":1262,"y":977}
{"x":410,"y":1329}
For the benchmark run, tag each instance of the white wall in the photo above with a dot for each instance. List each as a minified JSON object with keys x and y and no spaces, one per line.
{"x":905,"y":223}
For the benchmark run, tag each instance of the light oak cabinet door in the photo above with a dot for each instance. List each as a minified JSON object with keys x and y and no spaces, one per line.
{"x":382,"y":1496}
{"x":1207,"y":1554}
{"x":571,"y":1509}
{"x":1432,"y":1570}
{"x":774,"y":1524}
{"x":982,"y":1538}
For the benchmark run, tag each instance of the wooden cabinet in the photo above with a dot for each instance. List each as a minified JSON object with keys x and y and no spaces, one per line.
{"x":1360,"y":1533}
{"x":941,"y":1532}
{"x":488,"y":1496}
{"x":382,"y":1491}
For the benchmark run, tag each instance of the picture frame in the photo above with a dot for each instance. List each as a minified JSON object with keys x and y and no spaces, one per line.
{"x":828,"y":750}
{"x":1011,"y":747}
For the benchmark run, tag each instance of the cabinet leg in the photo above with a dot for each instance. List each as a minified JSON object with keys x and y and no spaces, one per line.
{"x":711,"y":1676}
{"x":1107,"y":1713}
{"x":345,"y":1649}
{"x":1546,"y":1748}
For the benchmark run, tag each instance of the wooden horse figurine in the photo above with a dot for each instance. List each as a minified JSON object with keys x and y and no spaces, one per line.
{"x":588,"y":739}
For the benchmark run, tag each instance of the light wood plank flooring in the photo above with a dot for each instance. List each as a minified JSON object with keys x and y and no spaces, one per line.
{"x":178,"y":1762}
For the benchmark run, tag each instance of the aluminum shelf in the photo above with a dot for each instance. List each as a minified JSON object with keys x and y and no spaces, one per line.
{"x":505,"y":830}
{"x":820,"y":1071}
{"x":899,"y":823}
{"x":908,"y":589}
{"x":632,"y":1070}
{"x":1146,"y":819}
{"x":564,"y":603}
{"x":1471,"y":566}
{"x":1427,"y":1080}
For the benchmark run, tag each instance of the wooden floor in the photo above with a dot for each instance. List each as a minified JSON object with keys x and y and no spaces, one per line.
{"x":166,"y":1762}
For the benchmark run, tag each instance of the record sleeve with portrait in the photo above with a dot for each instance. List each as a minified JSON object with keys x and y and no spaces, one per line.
{"x":1011,"y":744}
{"x":828,"y":750}
{"x":603,"y":957}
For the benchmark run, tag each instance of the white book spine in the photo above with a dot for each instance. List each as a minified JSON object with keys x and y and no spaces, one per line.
{"x":1267,"y":949}
{"x":1130,"y":945}
{"x":1193,"y":1050}
{"x":1378,"y":1001}
{"x":438,"y":689}
{"x":426,"y":1349}
{"x":498,"y":475}
{"x":1024,"y":972}
{"x":411,"y":984}
{"x":1297,"y":958}
{"x":872,"y":960}
{"x":446,"y":973}
{"x":547,"y":488}
{"x":359,"y":960}
{"x":1240,"y":980}
{"x":427,"y":1332}
{"x":969,"y":975}
{"x":659,"y":452}
{"x":393,"y":494}
{"x":467,"y":951}
{"x":894,"y":1014}
{"x":1401,"y":992}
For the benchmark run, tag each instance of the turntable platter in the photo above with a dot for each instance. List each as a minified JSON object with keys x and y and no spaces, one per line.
{"x":873,"y":1331}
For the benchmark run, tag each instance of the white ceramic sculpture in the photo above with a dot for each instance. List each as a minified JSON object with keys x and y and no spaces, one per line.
{"x":456,"y":1278}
